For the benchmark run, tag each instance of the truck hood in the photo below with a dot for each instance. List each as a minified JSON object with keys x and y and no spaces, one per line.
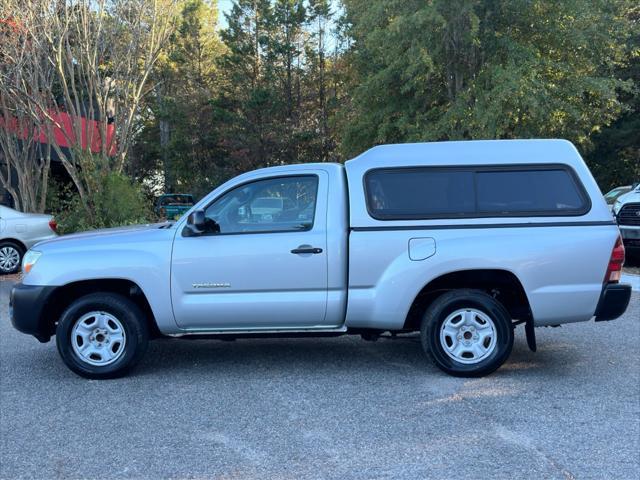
{"x":128,"y":234}
{"x":630,"y":197}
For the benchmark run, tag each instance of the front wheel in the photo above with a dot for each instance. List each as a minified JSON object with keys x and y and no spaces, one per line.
{"x":102,"y":335}
{"x":467,"y":333}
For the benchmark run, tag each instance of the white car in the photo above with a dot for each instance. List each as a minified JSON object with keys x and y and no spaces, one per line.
{"x":18,"y":233}
{"x":627,"y":213}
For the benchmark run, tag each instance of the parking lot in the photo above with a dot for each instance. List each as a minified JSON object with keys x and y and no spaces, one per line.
{"x":328,"y":409}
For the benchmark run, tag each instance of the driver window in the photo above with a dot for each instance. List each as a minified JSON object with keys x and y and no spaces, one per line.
{"x":273,"y":205}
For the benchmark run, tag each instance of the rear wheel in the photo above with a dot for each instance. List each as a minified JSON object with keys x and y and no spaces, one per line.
{"x":102,"y":335}
{"x":467,"y":333}
{"x":10,"y":257}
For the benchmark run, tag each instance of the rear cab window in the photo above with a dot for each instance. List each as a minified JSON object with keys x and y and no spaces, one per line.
{"x":473,"y":192}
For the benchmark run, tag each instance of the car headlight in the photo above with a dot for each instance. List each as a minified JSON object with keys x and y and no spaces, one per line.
{"x":616,"y":206}
{"x":29,"y":260}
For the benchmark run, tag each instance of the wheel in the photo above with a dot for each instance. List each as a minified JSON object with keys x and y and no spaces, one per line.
{"x":467,"y":333}
{"x":10,"y":257}
{"x":102,"y":335}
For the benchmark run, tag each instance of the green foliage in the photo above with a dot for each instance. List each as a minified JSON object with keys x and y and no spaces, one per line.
{"x":293,"y":81}
{"x":464,"y":69}
{"x":279,"y":89}
{"x":117,"y":201}
{"x":615,"y":160}
{"x":177,"y":136}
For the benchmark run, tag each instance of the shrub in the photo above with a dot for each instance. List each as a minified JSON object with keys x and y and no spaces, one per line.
{"x":115,"y":201}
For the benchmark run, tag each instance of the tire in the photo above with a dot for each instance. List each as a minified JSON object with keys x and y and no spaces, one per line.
{"x":102,"y":335}
{"x":467,"y":333}
{"x":10,"y":257}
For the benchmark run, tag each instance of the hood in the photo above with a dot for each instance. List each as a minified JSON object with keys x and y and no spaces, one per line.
{"x":130,"y":233}
{"x":631,"y":197}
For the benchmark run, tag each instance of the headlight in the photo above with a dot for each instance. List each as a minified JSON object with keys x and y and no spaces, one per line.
{"x":616,"y":206}
{"x":29,"y":260}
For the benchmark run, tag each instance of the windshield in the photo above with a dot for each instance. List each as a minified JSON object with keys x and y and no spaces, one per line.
{"x":615,"y":193}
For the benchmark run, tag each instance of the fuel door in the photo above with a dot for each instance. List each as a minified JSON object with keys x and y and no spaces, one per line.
{"x":421,"y":248}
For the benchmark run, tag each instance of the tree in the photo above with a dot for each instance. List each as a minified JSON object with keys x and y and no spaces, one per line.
{"x":247,"y":103}
{"x":282,"y":72}
{"x":180,"y":132}
{"x":615,"y":159}
{"x":27,"y":161}
{"x":278,"y":95}
{"x":484,"y":69}
{"x":103,"y":53}
{"x":320,"y":18}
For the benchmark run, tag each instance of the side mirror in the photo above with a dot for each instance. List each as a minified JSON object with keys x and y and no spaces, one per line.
{"x":196,"y":224}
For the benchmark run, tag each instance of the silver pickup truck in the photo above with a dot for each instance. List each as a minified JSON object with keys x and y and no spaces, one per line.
{"x":460,"y":241}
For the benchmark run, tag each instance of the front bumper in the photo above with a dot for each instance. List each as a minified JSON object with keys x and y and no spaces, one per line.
{"x":27,"y":306}
{"x":630,"y":236}
{"x":613,"y":301}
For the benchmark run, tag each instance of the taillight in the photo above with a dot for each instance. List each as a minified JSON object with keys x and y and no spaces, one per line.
{"x":614,"y":270}
{"x":53,"y":225}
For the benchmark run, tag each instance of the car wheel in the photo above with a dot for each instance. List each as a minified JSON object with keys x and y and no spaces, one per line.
{"x":102,"y":335}
{"x":467,"y":333}
{"x":10,"y":257}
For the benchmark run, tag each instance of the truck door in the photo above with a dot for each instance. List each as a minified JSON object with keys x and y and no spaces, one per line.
{"x":265,"y":267}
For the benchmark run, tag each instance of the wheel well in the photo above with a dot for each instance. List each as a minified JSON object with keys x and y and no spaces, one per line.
{"x":504,"y":286}
{"x":17,"y":242}
{"x":62,"y":297}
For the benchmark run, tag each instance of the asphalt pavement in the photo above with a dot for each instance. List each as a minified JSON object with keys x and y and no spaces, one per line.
{"x":327,"y":409}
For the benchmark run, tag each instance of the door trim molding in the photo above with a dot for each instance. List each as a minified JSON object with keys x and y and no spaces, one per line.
{"x":236,"y":331}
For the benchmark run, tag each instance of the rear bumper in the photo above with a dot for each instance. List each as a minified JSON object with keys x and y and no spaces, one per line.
{"x":613,"y":301}
{"x":27,"y":306}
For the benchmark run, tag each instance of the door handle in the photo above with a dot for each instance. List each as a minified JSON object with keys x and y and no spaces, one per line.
{"x":306,"y":249}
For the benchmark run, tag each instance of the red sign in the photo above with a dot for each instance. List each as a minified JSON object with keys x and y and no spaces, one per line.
{"x":64,"y":134}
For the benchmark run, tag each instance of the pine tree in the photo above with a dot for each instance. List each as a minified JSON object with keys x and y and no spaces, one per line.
{"x":247,"y":100}
{"x":180,"y":132}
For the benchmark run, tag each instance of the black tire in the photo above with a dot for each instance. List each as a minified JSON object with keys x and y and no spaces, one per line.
{"x":19,"y":249}
{"x":448,"y":303}
{"x":132,"y":320}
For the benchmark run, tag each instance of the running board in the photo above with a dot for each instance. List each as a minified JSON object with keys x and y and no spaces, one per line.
{"x":255,"y":333}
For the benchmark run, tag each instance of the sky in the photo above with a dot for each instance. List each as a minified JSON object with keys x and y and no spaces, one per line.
{"x":224,"y":6}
